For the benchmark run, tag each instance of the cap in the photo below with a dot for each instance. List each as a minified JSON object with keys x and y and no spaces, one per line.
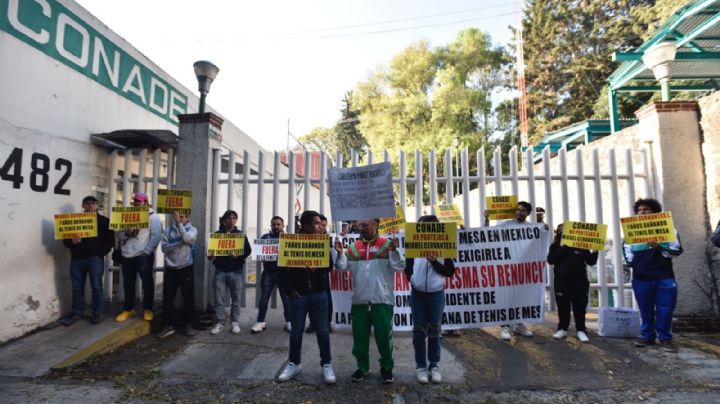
{"x":140,"y":197}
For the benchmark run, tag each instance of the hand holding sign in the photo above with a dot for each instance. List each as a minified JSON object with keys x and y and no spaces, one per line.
{"x":338,"y":245}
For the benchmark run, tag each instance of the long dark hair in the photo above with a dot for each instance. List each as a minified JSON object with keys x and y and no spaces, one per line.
{"x":224,"y":217}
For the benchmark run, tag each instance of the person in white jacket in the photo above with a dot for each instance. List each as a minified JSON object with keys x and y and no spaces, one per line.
{"x":373,"y":261}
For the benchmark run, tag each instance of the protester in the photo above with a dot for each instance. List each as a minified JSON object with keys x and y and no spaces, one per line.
{"x":311,"y":327}
{"x":86,"y":258}
{"x":427,"y":301}
{"x":572,"y":286}
{"x":345,"y":229}
{"x":654,"y":282}
{"x":270,"y":279}
{"x":372,"y":260}
{"x":228,"y":278}
{"x":540,"y":214}
{"x":138,"y":251}
{"x":307,"y":289}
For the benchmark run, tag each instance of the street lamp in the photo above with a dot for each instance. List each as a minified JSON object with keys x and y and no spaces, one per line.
{"x":657,"y":58}
{"x":205,"y":73}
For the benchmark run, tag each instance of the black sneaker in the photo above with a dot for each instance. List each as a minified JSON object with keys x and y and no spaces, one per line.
{"x":189,"y":331}
{"x":668,"y":346}
{"x":166,"y":332}
{"x":387,"y":376}
{"x":310,"y":328}
{"x":358,"y":376}
{"x":70,"y":319}
{"x":96,"y":318}
{"x":642,"y":343}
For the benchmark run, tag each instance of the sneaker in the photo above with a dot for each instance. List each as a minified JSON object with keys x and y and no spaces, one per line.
{"x":70,"y":319}
{"x":560,"y":334}
{"x":258,"y":327}
{"x":422,"y":376}
{"x":291,"y":370}
{"x":148,"y":315}
{"x":505,"y":333}
{"x":166,"y":332}
{"x":124,"y":315}
{"x":288,"y":326}
{"x":582,"y":336}
{"x":435,"y":375}
{"x":328,"y":374}
{"x":358,"y":376}
{"x":189,"y":331}
{"x":310,"y":328}
{"x":96,"y":318}
{"x":217,"y":328}
{"x":520,"y":329}
{"x":642,"y":343}
{"x":668,"y":346}
{"x":235,"y":327}
{"x":386,"y":376}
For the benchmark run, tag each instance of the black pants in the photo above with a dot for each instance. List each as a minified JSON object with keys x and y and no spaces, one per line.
{"x":182,"y":278}
{"x":571,"y":293}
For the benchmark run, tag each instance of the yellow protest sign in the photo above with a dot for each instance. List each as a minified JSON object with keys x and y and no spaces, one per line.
{"x":304,"y":250}
{"x":430,"y":239}
{"x":133,"y":217}
{"x":174,"y":200}
{"x":501,"y":207}
{"x":656,"y":227}
{"x":224,"y":244}
{"x":589,"y":236}
{"x":449,"y":212}
{"x":69,"y":225}
{"x":392,"y":225}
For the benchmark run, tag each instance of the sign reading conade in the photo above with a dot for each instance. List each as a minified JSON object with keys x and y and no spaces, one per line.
{"x":362,"y":192}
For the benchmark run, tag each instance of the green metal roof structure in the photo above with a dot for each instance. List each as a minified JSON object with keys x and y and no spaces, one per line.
{"x":695,"y":30}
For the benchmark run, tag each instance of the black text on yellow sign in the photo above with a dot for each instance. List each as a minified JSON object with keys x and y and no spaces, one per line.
{"x":589,"y":236}
{"x":174,"y":200}
{"x":82,"y":225}
{"x":133,"y":217}
{"x":304,"y":251}
{"x":392,"y":225}
{"x":430,"y":239}
{"x":225,"y":244}
{"x":501,"y":207}
{"x":449,"y":213}
{"x":657,"y":227}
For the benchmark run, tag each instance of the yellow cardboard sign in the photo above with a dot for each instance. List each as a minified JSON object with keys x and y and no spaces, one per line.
{"x":395,"y":224}
{"x":132,"y":217}
{"x":304,"y":250}
{"x":589,"y":236}
{"x":430,"y":239}
{"x":69,"y":225}
{"x":174,"y":200}
{"x":224,"y":244}
{"x":656,"y":227}
{"x":449,"y":212}
{"x":501,"y":207}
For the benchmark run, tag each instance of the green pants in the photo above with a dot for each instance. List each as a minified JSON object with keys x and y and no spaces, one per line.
{"x":378,"y":316}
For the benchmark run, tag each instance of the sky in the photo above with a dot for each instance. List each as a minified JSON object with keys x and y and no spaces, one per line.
{"x":290,"y":61}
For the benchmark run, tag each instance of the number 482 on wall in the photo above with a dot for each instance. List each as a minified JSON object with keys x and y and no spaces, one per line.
{"x":11,"y":171}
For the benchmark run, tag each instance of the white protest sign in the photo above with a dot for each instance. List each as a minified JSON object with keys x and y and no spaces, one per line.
{"x":265,"y":249}
{"x":361,"y":192}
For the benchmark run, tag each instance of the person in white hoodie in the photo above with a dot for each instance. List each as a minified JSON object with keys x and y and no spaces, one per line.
{"x":177,"y":245}
{"x":427,"y":302}
{"x":138,"y":250}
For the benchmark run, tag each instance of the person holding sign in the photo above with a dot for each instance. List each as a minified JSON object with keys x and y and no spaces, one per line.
{"x":372,"y":260}
{"x":138,"y":250}
{"x":307,"y":289}
{"x":86,"y":258}
{"x":572,"y":286}
{"x":654,"y":282}
{"x":427,"y":302}
{"x":228,"y":277}
{"x":311,"y":327}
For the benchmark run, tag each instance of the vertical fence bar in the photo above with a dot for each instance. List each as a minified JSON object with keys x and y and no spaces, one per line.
{"x":418,"y":184}
{"x":530,"y":168}
{"x":564,"y":184}
{"x":580,"y":171}
{"x":259,"y":221}
{"x":630,"y":168}
{"x":481,"y":183}
{"x":449,"y":182}
{"x":126,"y":178}
{"x":601,"y":265}
{"x":354,"y":156}
{"x":323,"y":185}
{"x":403,"y":179}
{"x":369,"y":156}
{"x":142,"y":162}
{"x":291,"y":193}
{"x":338,"y":164}
{"x":617,"y":242}
{"x":549,"y":213}
{"x":156,"y":175}
{"x":646,"y":169}
{"x":231,"y":181}
{"x":112,"y":195}
{"x":170,"y":180}
{"x":205,"y":296}
{"x":497,"y":170}
{"x":306,"y":181}
{"x":276,"y":186}
{"x":386,"y":155}
{"x":432,"y":166}
{"x":512,"y":155}
{"x":466,"y":186}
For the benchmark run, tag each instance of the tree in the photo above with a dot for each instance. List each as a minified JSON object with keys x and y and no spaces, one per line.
{"x":347,"y":134}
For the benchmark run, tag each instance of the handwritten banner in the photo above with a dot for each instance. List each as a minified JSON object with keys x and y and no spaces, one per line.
{"x":304,"y":250}
{"x":361,"y":192}
{"x":656,"y":227}
{"x":132,"y":217}
{"x":69,"y":225}
{"x":174,"y":200}
{"x":225,"y":244}
{"x":589,"y":236}
{"x":501,"y":207}
{"x":265,"y":249}
{"x":393,"y":225}
{"x":430,"y":239}
{"x":449,"y":213}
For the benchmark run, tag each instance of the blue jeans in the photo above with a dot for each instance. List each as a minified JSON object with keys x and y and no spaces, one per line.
{"x":227,"y":282}
{"x":427,"y":310}
{"x":79,"y":269}
{"x":131,"y":268}
{"x":316,"y":305}
{"x":268,"y":281}
{"x":656,"y":300}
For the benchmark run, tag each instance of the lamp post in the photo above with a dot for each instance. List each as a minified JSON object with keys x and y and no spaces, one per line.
{"x":205,"y":73}
{"x":657,"y":58}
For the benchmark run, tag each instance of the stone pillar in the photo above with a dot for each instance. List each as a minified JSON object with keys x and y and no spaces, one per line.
{"x":200,"y":136}
{"x":673,"y":131}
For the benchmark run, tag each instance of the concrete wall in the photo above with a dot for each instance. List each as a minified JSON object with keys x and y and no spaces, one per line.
{"x":710,"y":125}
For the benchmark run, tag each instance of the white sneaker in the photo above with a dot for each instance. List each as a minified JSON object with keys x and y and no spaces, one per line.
{"x":583,"y":337}
{"x":291,"y":370}
{"x":505,"y":333}
{"x":328,"y":374}
{"x":235,"y":327}
{"x":560,"y":334}
{"x":520,"y":329}
{"x":258,"y":327}
{"x":217,"y":328}
{"x":288,"y":326}
{"x":422,"y":376}
{"x":435,"y":375}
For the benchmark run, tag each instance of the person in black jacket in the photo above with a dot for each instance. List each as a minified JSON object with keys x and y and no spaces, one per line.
{"x":571,"y":284}
{"x":87,"y":259}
